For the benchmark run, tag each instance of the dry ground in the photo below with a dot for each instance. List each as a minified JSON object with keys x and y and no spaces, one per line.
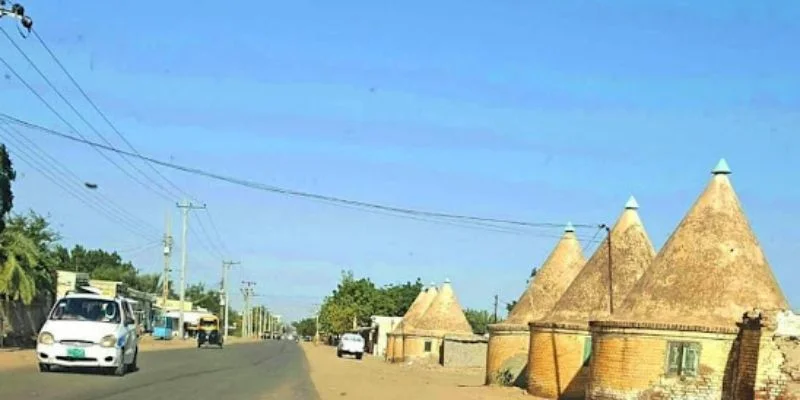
{"x":373,"y":378}
{"x":21,"y":358}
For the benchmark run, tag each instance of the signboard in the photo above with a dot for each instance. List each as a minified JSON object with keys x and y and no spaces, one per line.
{"x":107,"y":288}
{"x":174,"y":304}
{"x":67,"y":280}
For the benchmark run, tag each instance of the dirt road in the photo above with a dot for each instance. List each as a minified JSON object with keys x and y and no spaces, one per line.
{"x":373,"y":378}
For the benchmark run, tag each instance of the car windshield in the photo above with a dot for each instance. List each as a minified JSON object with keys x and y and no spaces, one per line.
{"x":86,"y":309}
{"x":353,"y":338}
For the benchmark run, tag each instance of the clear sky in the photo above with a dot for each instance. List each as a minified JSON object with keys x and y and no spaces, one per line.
{"x":537,"y":111}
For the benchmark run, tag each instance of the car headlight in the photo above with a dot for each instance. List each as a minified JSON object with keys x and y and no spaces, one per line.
{"x":46,"y":338}
{"x":108,"y":341}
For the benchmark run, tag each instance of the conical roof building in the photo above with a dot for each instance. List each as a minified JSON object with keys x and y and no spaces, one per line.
{"x":559,"y":341}
{"x":587,"y":298}
{"x":507,"y":351}
{"x":394,"y":348}
{"x":418,"y":307}
{"x":711,"y":270}
{"x":681,"y":316}
{"x":444,"y":316}
{"x":551,"y":280}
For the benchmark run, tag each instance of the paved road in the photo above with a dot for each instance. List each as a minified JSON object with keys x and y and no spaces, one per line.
{"x":266,"y":370}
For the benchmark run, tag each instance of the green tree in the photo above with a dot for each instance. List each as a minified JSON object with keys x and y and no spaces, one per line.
{"x":361,"y":299}
{"x":202,"y":297}
{"x":28,"y":264}
{"x":7,"y":175}
{"x":479,"y":320}
{"x":305,"y":327}
{"x":401,"y":296}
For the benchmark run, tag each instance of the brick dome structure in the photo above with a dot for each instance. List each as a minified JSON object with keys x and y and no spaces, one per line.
{"x":675,"y":335}
{"x":507,"y":354}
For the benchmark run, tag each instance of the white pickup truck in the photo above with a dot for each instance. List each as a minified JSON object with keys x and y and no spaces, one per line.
{"x":352,"y":344}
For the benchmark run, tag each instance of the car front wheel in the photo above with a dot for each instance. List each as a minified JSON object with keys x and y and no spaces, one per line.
{"x":44,"y":367}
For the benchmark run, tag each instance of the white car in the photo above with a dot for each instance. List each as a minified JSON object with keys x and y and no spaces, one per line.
{"x":351,"y":343}
{"x":89,"y":330}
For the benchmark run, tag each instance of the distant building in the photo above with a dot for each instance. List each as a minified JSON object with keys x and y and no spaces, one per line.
{"x":381,"y":327}
{"x":394,"y":346}
{"x":424,"y":340}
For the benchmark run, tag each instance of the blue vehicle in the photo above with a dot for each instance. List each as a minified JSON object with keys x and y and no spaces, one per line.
{"x":163,"y":327}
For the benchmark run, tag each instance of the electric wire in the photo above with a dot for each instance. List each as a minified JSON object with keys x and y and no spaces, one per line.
{"x":167,"y":196}
{"x":68,"y":175}
{"x":30,"y":159}
{"x":289,"y":192}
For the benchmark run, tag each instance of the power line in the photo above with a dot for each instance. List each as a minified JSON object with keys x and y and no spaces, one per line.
{"x":290,"y":192}
{"x":216,"y":231}
{"x":66,"y":174}
{"x":72,"y":127}
{"x":103,"y":115}
{"x":31,"y":160}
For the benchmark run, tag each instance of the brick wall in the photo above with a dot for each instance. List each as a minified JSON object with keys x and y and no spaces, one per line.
{"x":414,"y":348}
{"x":555,"y":363}
{"x":507,"y":357}
{"x":631,"y":364}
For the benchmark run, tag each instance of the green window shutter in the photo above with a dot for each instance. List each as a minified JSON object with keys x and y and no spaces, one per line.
{"x":674,"y":358}
{"x":587,"y":350}
{"x":691,"y":359}
{"x":428,"y":346}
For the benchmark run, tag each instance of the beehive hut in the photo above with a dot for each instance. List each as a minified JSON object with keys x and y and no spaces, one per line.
{"x":560,"y":343}
{"x":507,"y":355}
{"x":443,"y":317}
{"x":674,"y":336}
{"x":394,"y":349}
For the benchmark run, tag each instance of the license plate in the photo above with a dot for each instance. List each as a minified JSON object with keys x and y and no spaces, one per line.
{"x":76,"y":353}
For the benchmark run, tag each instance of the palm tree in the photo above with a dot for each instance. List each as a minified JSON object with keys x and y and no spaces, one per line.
{"x":19,"y":259}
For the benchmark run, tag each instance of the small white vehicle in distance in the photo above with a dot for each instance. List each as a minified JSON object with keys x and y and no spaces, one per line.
{"x":351,"y":343}
{"x":89,"y":330}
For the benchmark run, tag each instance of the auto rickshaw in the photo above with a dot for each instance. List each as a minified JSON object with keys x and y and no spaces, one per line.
{"x":208,"y":331}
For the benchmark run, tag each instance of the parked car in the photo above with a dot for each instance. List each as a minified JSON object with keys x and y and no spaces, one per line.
{"x":352,"y":344}
{"x":89,"y":330}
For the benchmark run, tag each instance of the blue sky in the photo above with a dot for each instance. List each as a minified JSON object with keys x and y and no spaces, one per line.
{"x":548,"y":111}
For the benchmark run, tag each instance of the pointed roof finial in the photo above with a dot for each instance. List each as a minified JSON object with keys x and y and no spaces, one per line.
{"x":632,"y":204}
{"x":722,"y":168}
{"x":569,"y":227}
{"x":446,"y":280}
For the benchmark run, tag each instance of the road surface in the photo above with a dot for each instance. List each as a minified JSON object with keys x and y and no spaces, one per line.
{"x":265,"y":370}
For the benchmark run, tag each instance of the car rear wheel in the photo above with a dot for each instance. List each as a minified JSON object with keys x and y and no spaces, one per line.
{"x":339,"y":354}
{"x":359,"y":355}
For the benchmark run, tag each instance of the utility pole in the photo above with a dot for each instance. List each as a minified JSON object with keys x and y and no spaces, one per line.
{"x":247,"y":291}
{"x":495,"y":309}
{"x":226,"y":265}
{"x":167,"y":253}
{"x":610,"y":276}
{"x":185,"y":207}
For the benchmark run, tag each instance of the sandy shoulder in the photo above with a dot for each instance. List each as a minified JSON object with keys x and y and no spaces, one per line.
{"x":373,"y":378}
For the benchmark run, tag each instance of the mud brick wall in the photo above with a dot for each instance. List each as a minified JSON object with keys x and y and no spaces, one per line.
{"x":507,"y":356}
{"x":555,"y":363}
